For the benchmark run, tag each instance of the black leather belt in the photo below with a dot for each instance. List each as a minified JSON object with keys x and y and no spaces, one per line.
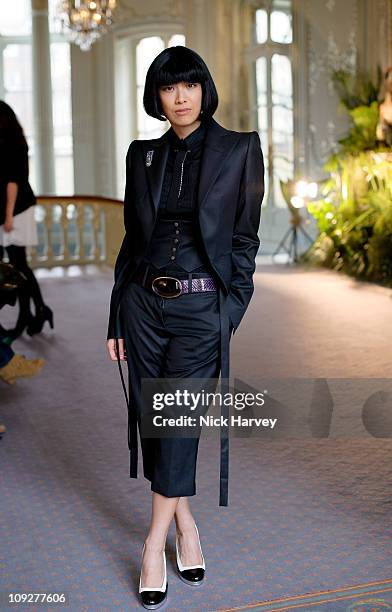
{"x":173,"y":284}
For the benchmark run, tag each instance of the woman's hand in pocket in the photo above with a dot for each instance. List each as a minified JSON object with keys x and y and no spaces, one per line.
{"x":111,"y":346}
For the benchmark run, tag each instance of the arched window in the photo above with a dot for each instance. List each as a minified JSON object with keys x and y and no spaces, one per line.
{"x":272,"y":70}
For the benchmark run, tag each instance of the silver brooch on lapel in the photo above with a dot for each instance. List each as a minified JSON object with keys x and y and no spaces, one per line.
{"x":149,"y":157}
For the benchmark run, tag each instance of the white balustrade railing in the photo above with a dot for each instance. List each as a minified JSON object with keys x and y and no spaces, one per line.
{"x":76,"y":230}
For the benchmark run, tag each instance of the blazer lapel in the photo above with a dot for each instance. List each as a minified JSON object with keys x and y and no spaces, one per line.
{"x":218,"y":145}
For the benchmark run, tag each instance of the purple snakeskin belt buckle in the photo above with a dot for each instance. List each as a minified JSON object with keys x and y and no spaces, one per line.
{"x":171,"y":287}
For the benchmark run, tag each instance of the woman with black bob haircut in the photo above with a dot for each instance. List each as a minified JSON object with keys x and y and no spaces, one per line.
{"x":184,"y":65}
{"x":183,"y":280}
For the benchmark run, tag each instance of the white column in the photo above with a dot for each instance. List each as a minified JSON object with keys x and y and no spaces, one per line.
{"x":42,"y":98}
{"x":104,"y":108}
{"x":84,"y":121}
{"x":125,"y":98}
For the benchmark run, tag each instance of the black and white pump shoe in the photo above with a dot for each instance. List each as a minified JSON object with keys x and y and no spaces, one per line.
{"x":191,"y":574}
{"x":153,"y":598}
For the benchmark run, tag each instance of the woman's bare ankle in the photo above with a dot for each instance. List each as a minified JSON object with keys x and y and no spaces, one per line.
{"x":185,"y":525}
{"x":154,"y":544}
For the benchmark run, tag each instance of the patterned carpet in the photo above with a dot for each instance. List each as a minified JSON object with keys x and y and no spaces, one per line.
{"x":370,"y":597}
{"x":309,"y":521}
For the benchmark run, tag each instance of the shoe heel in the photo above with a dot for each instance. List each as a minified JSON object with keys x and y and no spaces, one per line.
{"x":50,"y":319}
{"x":48,"y":316}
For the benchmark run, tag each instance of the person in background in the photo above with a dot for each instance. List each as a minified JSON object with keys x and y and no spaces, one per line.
{"x":17,"y":222}
{"x":13,"y":365}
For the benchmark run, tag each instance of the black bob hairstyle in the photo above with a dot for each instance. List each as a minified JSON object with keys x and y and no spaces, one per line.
{"x":173,"y":65}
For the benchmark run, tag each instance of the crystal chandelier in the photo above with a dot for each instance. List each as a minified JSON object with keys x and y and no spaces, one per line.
{"x":86,"y":20}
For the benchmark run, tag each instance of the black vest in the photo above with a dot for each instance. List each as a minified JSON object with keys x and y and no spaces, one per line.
{"x":176,"y":242}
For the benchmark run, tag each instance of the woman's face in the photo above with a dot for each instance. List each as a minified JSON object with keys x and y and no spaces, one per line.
{"x":185,"y":97}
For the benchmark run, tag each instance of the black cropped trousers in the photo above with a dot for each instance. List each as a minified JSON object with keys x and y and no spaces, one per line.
{"x":169,"y":338}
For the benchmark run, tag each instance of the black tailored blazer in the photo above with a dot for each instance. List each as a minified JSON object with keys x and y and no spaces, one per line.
{"x":230,"y":194}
